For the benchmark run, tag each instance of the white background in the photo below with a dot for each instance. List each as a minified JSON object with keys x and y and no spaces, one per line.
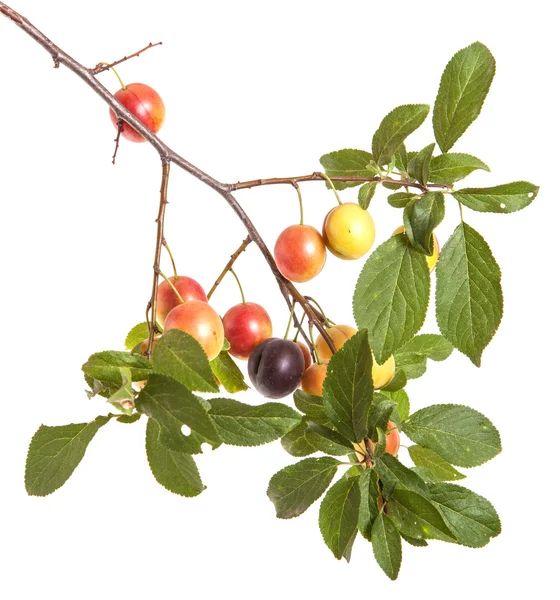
{"x":255,"y":89}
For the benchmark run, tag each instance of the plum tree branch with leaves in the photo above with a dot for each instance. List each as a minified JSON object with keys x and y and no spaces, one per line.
{"x":352,"y":402}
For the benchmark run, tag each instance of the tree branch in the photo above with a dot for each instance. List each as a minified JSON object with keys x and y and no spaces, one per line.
{"x":229,"y":264}
{"x":167,"y":155}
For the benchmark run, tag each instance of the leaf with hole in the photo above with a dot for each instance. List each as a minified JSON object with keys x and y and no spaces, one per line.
{"x":506,"y":198}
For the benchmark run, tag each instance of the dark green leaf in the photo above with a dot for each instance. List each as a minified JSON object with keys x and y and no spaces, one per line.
{"x":177,"y":354}
{"x":473,"y":520}
{"x":400,"y":199}
{"x":228,"y":373}
{"x":462,"y":91}
{"x":137,"y":335}
{"x":421,"y":217}
{"x":414,"y":541}
{"x":129,"y":418}
{"x":448,"y":168}
{"x":397,"y":383}
{"x":172,"y":405}
{"x":175,"y":471}
{"x":440,"y":469}
{"x":459,"y":434}
{"x":241,"y":424}
{"x":387,"y":546}
{"x":294,"y":489}
{"x":365,"y":194}
{"x":395,"y":128}
{"x":419,"y":166}
{"x":326,"y":440}
{"x":369,"y":495}
{"x":416,"y":516}
{"x":312,"y":406}
{"x":379,"y":414}
{"x":295,"y":442}
{"x":506,"y":198}
{"x":54,"y":453}
{"x":391,"y":296}
{"x":469,"y":300}
{"x":401,"y":158}
{"x":347,"y":163}
{"x":105,"y":366}
{"x":348,"y":387}
{"x":394,"y":474}
{"x":338,"y":515}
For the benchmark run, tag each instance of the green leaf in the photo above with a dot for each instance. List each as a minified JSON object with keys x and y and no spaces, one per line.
{"x":397,"y":383}
{"x":394,"y":474}
{"x":400,"y":397}
{"x":172,"y":405}
{"x":401,"y":158}
{"x":421,"y":217}
{"x":226,"y":345}
{"x":294,"y":488}
{"x":241,"y":424}
{"x":459,"y":434}
{"x":295,"y":443}
{"x":105,"y":366}
{"x":54,"y":453}
{"x":425,"y":474}
{"x":439,"y":468}
{"x":419,"y":166}
{"x":101,"y":388}
{"x":473,"y":520}
{"x":369,"y":493}
{"x":400,"y":199}
{"x":123,"y":398}
{"x":412,"y":357}
{"x":365,"y":194}
{"x":387,"y":546}
{"x":128,"y":419}
{"x":448,"y":168}
{"x":177,"y":354}
{"x":228,"y":373}
{"x":379,"y":414}
{"x":469,"y":301}
{"x":395,"y":128}
{"x":462,"y":91}
{"x":505,"y":198}
{"x":338,"y":516}
{"x":348,"y":387}
{"x":391,"y":296}
{"x":175,"y":471}
{"x":416,"y":516}
{"x":414,"y":541}
{"x":312,"y":406}
{"x":137,"y":335}
{"x":326,"y":440}
{"x":347,"y":163}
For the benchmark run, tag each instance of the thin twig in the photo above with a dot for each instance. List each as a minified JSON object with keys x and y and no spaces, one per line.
{"x":230,"y":263}
{"x":100,"y":67}
{"x":243,"y":185}
{"x":117,"y":139}
{"x":152,"y":304}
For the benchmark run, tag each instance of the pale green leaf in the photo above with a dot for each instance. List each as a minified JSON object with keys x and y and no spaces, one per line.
{"x":105,"y":366}
{"x":228,"y":373}
{"x":506,"y":198}
{"x":137,"y":335}
{"x":347,"y":163}
{"x":439,"y":468}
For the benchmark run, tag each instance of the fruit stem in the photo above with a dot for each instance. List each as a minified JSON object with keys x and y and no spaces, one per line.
{"x":328,"y":322}
{"x":171,"y":257}
{"x":123,"y":86}
{"x":290,"y":320}
{"x":328,"y":179}
{"x":316,"y":354}
{"x":239,"y":284}
{"x":295,"y":184}
{"x":172,"y":286}
{"x":460,"y":210}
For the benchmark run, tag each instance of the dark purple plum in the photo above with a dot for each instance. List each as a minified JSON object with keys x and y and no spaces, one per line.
{"x":276,"y":367}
